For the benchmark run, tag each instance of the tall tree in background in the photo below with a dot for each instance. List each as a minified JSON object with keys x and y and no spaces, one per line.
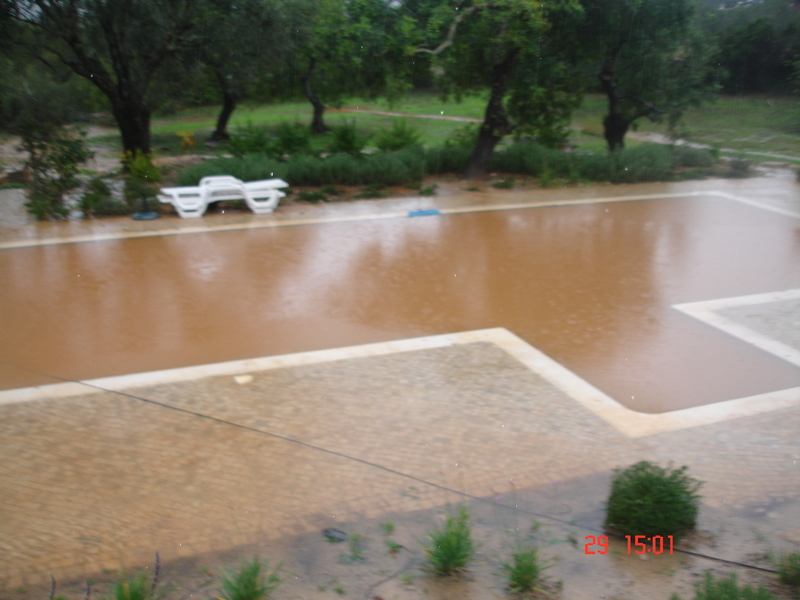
{"x":350,"y":47}
{"x":242,"y":39}
{"x":502,"y":46}
{"x":652,"y":64}
{"x":117,"y":45}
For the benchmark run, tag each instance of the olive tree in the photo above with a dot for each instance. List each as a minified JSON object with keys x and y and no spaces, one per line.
{"x":116,"y":45}
{"x":511,"y":49}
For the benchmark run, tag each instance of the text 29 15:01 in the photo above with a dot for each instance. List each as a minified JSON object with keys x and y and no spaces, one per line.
{"x":641,"y":544}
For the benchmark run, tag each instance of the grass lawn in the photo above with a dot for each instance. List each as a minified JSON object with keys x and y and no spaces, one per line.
{"x":754,"y":123}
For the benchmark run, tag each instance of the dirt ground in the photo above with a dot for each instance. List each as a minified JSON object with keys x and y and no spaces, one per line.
{"x":556,"y":518}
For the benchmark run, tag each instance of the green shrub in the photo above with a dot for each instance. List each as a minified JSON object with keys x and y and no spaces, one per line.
{"x":293,"y":138}
{"x":740,"y":167}
{"x":250,"y":140}
{"x":525,"y":570}
{"x":451,"y":546}
{"x":54,"y":155}
{"x":252,"y":581}
{"x":789,"y":569}
{"x":446,"y":159}
{"x":685,"y":156}
{"x":347,"y":139}
{"x":400,"y":135}
{"x":97,"y":201}
{"x":312,"y":197}
{"x":726,"y":589}
{"x":465,"y":136}
{"x":141,"y":179}
{"x":650,"y":500}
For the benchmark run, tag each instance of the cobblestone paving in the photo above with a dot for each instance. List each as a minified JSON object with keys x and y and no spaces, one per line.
{"x":777,"y":320}
{"x":100,"y":481}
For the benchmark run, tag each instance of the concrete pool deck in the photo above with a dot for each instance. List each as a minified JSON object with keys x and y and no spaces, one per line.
{"x":96,"y":476}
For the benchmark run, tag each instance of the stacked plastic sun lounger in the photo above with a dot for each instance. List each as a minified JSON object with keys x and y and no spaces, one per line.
{"x":190,"y":202}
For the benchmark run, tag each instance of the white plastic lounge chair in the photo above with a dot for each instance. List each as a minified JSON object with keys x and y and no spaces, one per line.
{"x":190,"y":202}
{"x":261,"y":196}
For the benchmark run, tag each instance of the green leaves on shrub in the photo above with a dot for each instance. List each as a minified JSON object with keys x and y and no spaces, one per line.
{"x":292,"y":138}
{"x":400,"y":135}
{"x":250,"y":140}
{"x":650,"y":500}
{"x":789,"y":569}
{"x":252,"y":581}
{"x":347,"y":139}
{"x":726,"y":589}
{"x":451,"y":546}
{"x":525,"y":570}
{"x":97,"y":200}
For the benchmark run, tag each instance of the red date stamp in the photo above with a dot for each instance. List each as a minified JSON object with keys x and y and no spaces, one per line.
{"x":639,"y":544}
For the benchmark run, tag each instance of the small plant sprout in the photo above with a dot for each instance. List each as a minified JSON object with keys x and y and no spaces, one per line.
{"x":393,"y":546}
{"x":388,"y":528}
{"x":252,"y":581}
{"x":524,"y":570}
{"x":452,"y":546}
{"x":407,"y":579}
{"x":726,"y":589}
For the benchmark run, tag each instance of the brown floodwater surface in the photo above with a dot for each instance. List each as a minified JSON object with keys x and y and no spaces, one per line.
{"x":591,"y":286}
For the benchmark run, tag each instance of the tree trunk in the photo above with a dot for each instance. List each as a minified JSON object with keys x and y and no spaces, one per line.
{"x":317,"y":122}
{"x":495,"y":124}
{"x":229,"y":102}
{"x":133,"y":120}
{"x":615,"y":124}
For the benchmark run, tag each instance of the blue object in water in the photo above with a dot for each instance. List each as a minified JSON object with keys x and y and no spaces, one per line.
{"x":423,"y":213}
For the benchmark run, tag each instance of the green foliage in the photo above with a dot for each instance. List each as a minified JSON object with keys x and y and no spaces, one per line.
{"x":400,"y":135}
{"x":293,"y":138}
{"x":428,"y":190}
{"x":142,"y":177}
{"x":252,"y":581}
{"x":313,"y":197}
{"x":463,"y":137}
{"x":388,"y":528}
{"x":372,"y":191}
{"x":140,"y":587}
{"x":54,"y":155}
{"x":250,"y":140}
{"x":345,"y":138}
{"x":726,"y":589}
{"x":452,"y":546}
{"x":650,"y":500}
{"x":355,"y":545}
{"x":685,"y":156}
{"x":97,"y":200}
{"x":789,"y":569}
{"x":525,"y":570}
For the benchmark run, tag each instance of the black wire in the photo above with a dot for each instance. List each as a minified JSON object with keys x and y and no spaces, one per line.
{"x":382,"y":468}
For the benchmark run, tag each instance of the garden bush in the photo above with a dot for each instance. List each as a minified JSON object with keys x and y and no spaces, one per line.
{"x":400,"y":135}
{"x":685,"y":156}
{"x":451,"y":546}
{"x":347,"y":139}
{"x":98,"y":201}
{"x":726,"y":589}
{"x":292,"y":138}
{"x":650,"y":500}
{"x":250,"y":140}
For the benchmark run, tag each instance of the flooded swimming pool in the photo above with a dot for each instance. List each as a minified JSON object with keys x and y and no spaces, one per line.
{"x":593,"y":286}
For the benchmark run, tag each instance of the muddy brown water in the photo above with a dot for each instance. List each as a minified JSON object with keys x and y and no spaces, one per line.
{"x":591,"y":286}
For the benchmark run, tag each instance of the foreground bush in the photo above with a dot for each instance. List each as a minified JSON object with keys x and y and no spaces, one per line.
{"x":650,"y":500}
{"x":524,"y":571}
{"x":726,"y":589}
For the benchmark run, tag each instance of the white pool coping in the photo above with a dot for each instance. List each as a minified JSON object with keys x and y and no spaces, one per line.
{"x":628,"y":422}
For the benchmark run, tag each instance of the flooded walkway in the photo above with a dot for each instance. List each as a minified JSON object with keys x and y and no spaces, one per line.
{"x":591,"y":282}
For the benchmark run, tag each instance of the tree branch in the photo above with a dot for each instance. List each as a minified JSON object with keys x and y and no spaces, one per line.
{"x":451,"y":33}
